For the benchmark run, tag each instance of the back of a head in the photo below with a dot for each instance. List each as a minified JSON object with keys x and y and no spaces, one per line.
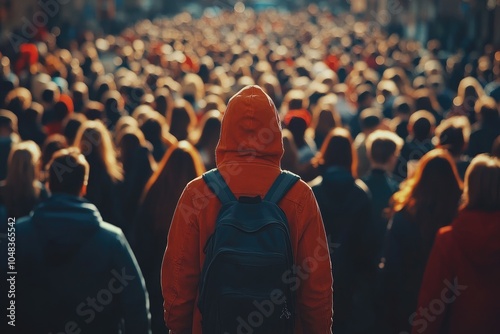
{"x":431,"y":196}
{"x":453,"y":134}
{"x":421,"y":124}
{"x":370,"y":119}
{"x":8,"y":121}
{"x":481,"y":191}
{"x":486,"y":107}
{"x":178,"y":167}
{"x":68,"y":172}
{"x":94,"y":110}
{"x":381,"y":145}
{"x":131,"y":140}
{"x":210,"y":132}
{"x":152,"y":129}
{"x":182,"y":119}
{"x":51,"y":145}
{"x":436,"y":176}
{"x":337,"y":150}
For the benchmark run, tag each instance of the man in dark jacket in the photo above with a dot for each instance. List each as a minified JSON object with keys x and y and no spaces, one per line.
{"x":76,"y":273}
{"x":383,"y":148}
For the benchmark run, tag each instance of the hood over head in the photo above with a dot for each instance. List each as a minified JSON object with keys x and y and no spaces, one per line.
{"x":251,"y":129}
{"x":478,"y":235}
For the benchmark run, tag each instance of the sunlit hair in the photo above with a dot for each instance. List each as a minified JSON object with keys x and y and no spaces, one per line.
{"x":486,"y":108}
{"x":95,"y":143}
{"x":324,"y":116}
{"x":431,"y":196}
{"x":337,"y":150}
{"x":453,"y":134}
{"x":181,"y":164}
{"x":469,"y":87}
{"x":381,"y":145}
{"x":482,"y":180}
{"x":22,"y":174}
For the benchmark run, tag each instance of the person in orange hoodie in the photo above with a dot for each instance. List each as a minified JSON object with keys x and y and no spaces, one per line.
{"x":248,"y":156}
{"x":460,"y":291}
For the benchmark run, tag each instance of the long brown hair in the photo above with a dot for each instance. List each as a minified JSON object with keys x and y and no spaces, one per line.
{"x":180,"y":164}
{"x":431,"y":196}
{"x":96,"y":145}
{"x":482,"y":180}
{"x":22,"y":175}
{"x":338,"y":150}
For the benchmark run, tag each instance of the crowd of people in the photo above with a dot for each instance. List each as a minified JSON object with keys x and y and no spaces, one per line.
{"x":400,"y":143}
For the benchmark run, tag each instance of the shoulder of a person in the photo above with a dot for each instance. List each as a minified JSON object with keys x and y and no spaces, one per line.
{"x":110,"y":232}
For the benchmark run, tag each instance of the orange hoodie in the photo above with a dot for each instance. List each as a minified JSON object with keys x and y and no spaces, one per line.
{"x":248,"y":156}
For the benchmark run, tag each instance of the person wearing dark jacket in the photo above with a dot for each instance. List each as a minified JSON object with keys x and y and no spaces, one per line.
{"x":486,"y":129}
{"x":426,"y":202}
{"x":463,"y":270}
{"x":383,"y":149}
{"x":345,"y":206}
{"x":76,"y":272}
{"x":421,"y":128}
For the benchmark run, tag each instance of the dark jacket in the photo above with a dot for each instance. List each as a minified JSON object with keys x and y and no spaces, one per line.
{"x":76,"y":271}
{"x":104,"y":194}
{"x":346,"y":210}
{"x":482,"y":138}
{"x":404,"y":263}
{"x":463,"y":273}
{"x":413,"y":149}
{"x":382,"y":186}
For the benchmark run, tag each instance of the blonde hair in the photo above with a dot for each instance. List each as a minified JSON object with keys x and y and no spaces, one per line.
{"x":96,"y":145}
{"x":481,"y":190}
{"x":22,"y":174}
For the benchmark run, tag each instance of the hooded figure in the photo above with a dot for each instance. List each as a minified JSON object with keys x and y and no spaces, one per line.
{"x":248,"y":156}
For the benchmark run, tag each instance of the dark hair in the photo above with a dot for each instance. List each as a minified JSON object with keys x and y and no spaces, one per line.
{"x":338,"y":150}
{"x":68,"y":172}
{"x":370,"y":118}
{"x":452,"y":139}
{"x":51,"y":145}
{"x":71,"y":127}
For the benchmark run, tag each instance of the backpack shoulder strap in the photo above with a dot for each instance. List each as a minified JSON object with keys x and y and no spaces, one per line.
{"x":281,"y":186}
{"x":218,"y":186}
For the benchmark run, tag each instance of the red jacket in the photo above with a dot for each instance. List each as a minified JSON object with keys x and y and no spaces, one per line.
{"x":460,"y":291}
{"x":248,"y":156}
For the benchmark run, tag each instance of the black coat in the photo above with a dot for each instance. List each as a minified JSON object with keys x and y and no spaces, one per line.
{"x":346,"y":210}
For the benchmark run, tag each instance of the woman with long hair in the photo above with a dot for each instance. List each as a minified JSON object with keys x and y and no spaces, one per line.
{"x":181,"y":119}
{"x":426,"y":202}
{"x":179,"y":166}
{"x":469,"y":91}
{"x":106,"y":173}
{"x":346,"y":210}
{"x":138,"y":166}
{"x":467,"y":255}
{"x":21,"y":191}
{"x":209,"y":132}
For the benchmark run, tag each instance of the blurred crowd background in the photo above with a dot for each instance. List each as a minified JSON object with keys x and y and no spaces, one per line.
{"x":367,"y":88}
